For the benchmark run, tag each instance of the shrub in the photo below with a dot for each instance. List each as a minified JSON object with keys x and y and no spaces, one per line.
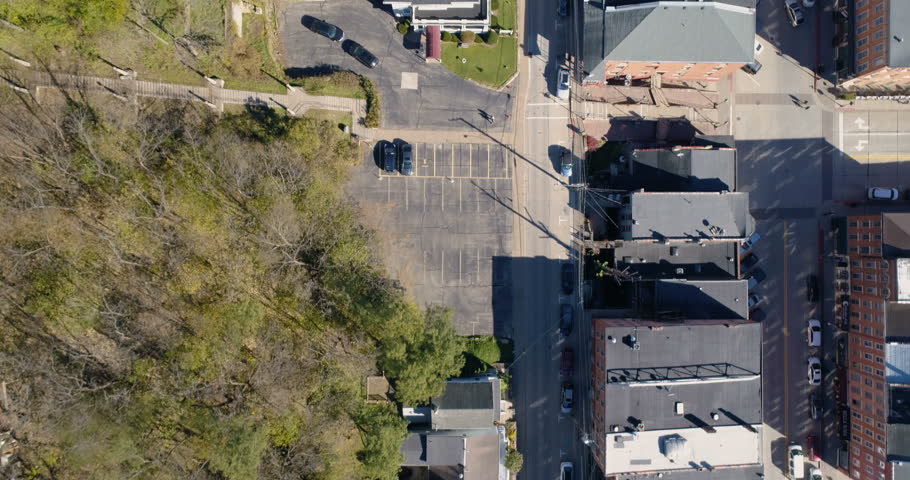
{"x":449,"y":37}
{"x":373,"y":103}
{"x":492,"y":37}
{"x":848,"y":96}
{"x":404,"y":27}
{"x":467,"y":37}
{"x":514,"y":460}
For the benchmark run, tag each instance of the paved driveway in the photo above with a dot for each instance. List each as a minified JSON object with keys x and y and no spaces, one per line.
{"x":447,"y":230}
{"x":415,"y":94}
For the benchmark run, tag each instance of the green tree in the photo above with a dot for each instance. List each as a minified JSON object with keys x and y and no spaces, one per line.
{"x":421,"y":364}
{"x":65,"y":19}
{"x":382,"y":431}
{"x":234,"y":446}
{"x":514,"y":460}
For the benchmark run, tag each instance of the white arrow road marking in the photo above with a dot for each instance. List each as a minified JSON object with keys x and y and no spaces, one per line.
{"x":861,"y":124}
{"x":860,"y":145}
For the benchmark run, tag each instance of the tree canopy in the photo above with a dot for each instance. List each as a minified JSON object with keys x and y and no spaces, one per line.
{"x":191,"y":296}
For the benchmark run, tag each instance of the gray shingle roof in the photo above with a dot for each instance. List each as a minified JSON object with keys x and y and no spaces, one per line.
{"x":451,"y":454}
{"x":688,"y":216}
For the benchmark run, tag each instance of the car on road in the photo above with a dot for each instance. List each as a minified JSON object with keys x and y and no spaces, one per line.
{"x":565,"y":164}
{"x":794,"y":12}
{"x":749,"y":243}
{"x":362,"y":55}
{"x":814,"y":333}
{"x":815,"y":473}
{"x":567,"y":362}
{"x":815,"y":371}
{"x":755,"y":277}
{"x":883,"y":193}
{"x":752,"y":68}
{"x":389,"y":157}
{"x":562,"y":83}
{"x":566,"y":314}
{"x":815,"y":406}
{"x":812,"y":448}
{"x":568,"y":277}
{"x":325,"y":29}
{"x":568,"y":397}
{"x":812,"y":288}
{"x":565,"y":471}
{"x":749,"y":262}
{"x":754,"y":300}
{"x":796,"y":461}
{"x":407,"y":159}
{"x":562,"y":8}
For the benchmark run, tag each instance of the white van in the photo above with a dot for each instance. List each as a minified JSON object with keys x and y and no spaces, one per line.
{"x":796,"y":461}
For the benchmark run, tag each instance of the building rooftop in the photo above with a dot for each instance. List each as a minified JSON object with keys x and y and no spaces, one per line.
{"x":896,"y":233}
{"x":899,"y":444}
{"x":899,"y":31}
{"x":675,"y":383}
{"x":475,"y":454}
{"x":467,"y":403}
{"x":899,"y":404}
{"x":702,"y":299}
{"x":691,"y":216}
{"x":651,"y":261}
{"x":903,"y":279}
{"x":897,"y":322}
{"x":682,"y":169}
{"x":720,"y":31}
{"x":897,"y":363}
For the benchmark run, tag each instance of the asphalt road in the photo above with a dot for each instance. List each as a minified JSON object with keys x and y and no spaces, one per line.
{"x":543,"y":242}
{"x":415,"y":94}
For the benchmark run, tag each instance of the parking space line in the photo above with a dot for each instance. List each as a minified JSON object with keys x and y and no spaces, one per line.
{"x":460,"y":201}
{"x":453,"y":161}
{"x":442,"y":269}
{"x":424,"y":194}
{"x":459,"y":268}
{"x":434,"y":159}
{"x":442,"y":183}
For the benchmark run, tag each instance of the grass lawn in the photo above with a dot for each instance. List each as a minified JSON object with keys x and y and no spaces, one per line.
{"x":505,"y":15}
{"x":333,"y":116}
{"x":338,"y":84}
{"x":491,"y":66}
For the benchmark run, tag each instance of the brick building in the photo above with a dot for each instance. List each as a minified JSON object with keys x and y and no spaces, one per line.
{"x":878,"y":359}
{"x":682,"y":40}
{"x":878,"y":40}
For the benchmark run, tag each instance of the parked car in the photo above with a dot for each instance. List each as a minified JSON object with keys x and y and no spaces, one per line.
{"x":568,"y":278}
{"x":794,"y":12}
{"x":363,"y":55}
{"x":567,"y":362}
{"x":815,"y":406}
{"x":754,"y":300}
{"x":562,"y":8}
{"x":752,"y":68}
{"x":796,"y":461}
{"x":566,"y":314}
{"x":407,"y":159}
{"x":815,"y":371}
{"x":565,"y":166}
{"x":749,"y":262}
{"x":815,"y":474}
{"x":389,"y":157}
{"x":568,"y":397}
{"x":755,"y":277}
{"x":749,"y":243}
{"x":812,"y":288}
{"x":565,"y":471}
{"x":883,"y":193}
{"x":562,"y":83}
{"x":812,"y":448}
{"x":325,"y":29}
{"x":814,"y":333}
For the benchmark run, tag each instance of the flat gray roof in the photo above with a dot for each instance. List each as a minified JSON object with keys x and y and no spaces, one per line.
{"x":716,"y":348}
{"x":896,"y":233}
{"x":702,"y":299}
{"x":897,"y":321}
{"x":684,"y":169}
{"x":897,"y":363}
{"x":687,"y":216}
{"x":899,"y":29}
{"x":651,"y":261}
{"x":467,"y":403}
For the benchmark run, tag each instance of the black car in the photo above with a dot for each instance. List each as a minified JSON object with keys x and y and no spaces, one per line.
{"x":363,"y":55}
{"x":566,"y":315}
{"x":812,"y":288}
{"x":389,"y":157}
{"x":750,"y":262}
{"x":752,"y":68}
{"x":563,"y":8}
{"x":407,"y":159}
{"x":568,"y":278}
{"x":325,"y":29}
{"x":815,"y":406}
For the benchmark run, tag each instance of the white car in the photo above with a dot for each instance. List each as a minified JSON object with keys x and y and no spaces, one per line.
{"x":815,"y":474}
{"x":815,"y":371}
{"x":562,"y":83}
{"x":565,"y":471}
{"x":814,"y":333}
{"x":883,"y":193}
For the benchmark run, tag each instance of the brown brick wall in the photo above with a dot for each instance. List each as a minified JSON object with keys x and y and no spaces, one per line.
{"x":870,"y":27}
{"x":672,"y":71}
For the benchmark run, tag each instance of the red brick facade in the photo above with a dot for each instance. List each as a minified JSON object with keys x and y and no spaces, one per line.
{"x":870,"y":49}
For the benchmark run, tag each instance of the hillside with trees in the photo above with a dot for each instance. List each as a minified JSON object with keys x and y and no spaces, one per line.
{"x":187,"y":296}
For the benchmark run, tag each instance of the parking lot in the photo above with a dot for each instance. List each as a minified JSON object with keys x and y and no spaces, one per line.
{"x":447,"y":230}
{"x":876,"y":152}
{"x":415,"y":94}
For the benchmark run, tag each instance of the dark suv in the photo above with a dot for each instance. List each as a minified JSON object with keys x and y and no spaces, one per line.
{"x":389,"y":157}
{"x":566,"y":315}
{"x":325,"y":29}
{"x":407,"y":159}
{"x":362,"y":55}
